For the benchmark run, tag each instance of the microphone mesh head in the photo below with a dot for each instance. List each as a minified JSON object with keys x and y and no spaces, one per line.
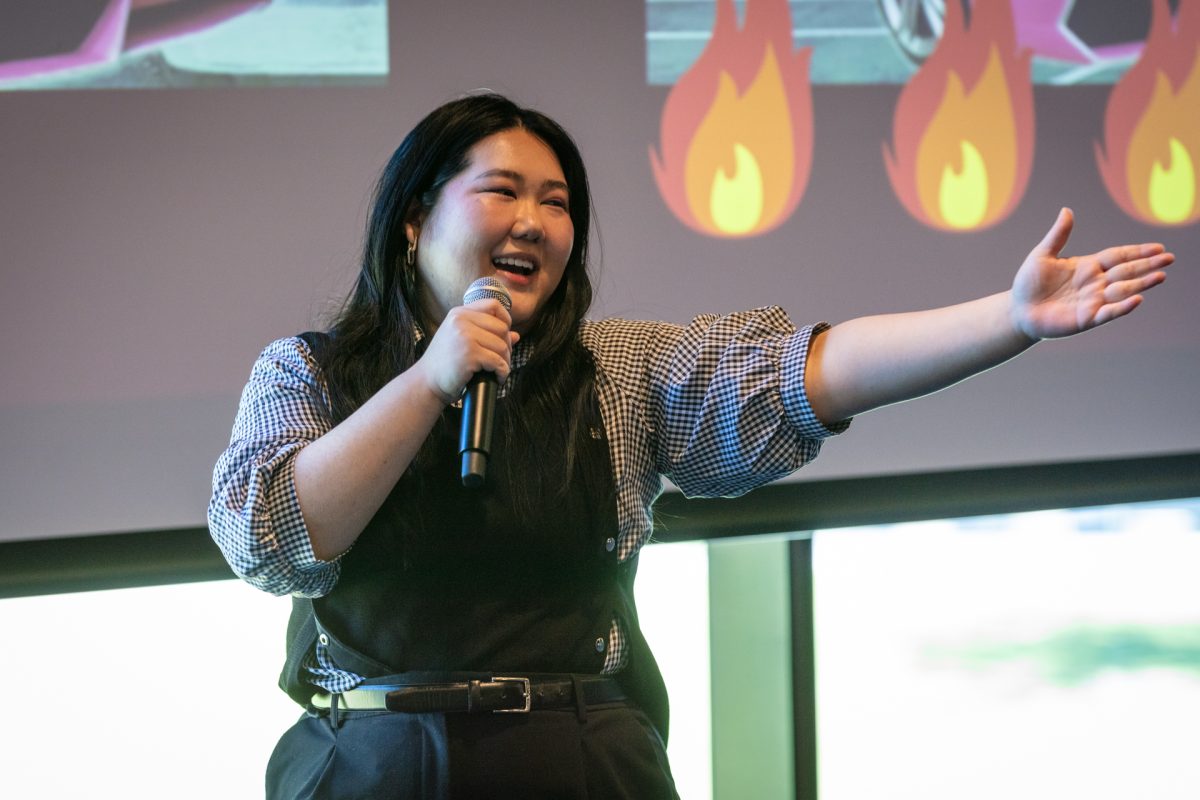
{"x":486,"y":288}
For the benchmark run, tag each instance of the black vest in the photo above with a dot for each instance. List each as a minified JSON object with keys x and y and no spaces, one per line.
{"x":450,"y":579}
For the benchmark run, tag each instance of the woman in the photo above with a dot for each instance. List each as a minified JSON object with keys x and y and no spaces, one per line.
{"x":422,"y":608}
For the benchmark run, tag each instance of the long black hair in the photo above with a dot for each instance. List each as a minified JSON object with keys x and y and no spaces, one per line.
{"x":373,"y":338}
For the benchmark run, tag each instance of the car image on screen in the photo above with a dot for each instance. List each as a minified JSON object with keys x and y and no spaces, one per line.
{"x":1085,"y":32}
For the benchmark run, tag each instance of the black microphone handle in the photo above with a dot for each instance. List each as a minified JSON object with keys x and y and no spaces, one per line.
{"x":475,"y":437}
{"x":479,"y":401}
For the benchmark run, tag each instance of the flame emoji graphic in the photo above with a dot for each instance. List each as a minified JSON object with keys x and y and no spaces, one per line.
{"x":1152,"y":124}
{"x":963,"y":132}
{"x":736,"y":132}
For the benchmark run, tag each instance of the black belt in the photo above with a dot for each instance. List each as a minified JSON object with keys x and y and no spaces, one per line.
{"x":497,"y":695}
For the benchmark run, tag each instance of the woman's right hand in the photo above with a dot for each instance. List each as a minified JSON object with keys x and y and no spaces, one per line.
{"x":473,"y":338}
{"x":343,"y":477}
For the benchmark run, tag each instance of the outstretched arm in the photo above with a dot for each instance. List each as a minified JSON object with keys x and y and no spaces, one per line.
{"x":875,"y":361}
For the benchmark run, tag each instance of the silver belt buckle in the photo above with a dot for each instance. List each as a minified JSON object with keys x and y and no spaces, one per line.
{"x":524,"y":688}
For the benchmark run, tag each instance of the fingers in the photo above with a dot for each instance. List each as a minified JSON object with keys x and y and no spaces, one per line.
{"x":472,"y":338}
{"x":1111,"y":311}
{"x":493,"y":307}
{"x":1112,"y":257}
{"x":1056,"y":238}
{"x":485,"y":326}
{"x":1129,"y":279}
{"x":1141,"y":267}
{"x":1122,"y":289}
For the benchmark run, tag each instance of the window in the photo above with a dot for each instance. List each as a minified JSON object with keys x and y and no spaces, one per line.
{"x":1048,"y":654}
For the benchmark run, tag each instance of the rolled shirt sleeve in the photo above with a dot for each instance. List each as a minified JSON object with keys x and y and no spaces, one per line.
{"x":721,"y":401}
{"x":254,"y":515}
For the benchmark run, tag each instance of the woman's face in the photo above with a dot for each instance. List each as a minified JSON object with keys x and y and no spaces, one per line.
{"x":504,"y":216}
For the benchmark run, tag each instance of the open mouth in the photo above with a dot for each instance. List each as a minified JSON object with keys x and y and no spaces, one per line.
{"x":517,"y":266}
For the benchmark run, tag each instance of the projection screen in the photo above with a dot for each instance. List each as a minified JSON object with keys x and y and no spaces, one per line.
{"x":171,"y":205}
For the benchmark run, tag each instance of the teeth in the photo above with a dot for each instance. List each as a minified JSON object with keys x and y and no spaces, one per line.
{"x":519,"y":264}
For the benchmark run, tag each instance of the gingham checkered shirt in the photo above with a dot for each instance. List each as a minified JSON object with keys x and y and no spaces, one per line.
{"x":717,"y":406}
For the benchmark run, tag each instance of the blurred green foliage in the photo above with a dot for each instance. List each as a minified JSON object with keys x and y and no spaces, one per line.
{"x":1078,"y":654}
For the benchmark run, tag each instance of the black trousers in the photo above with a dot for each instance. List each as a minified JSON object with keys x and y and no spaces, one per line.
{"x":599,"y":752}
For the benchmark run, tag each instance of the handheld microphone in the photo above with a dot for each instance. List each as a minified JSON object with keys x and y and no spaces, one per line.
{"x":479,"y":398}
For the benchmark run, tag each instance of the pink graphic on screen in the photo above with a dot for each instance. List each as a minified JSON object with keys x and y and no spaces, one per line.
{"x":111,"y":27}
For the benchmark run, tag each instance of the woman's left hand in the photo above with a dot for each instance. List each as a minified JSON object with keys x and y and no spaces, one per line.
{"x":1054,"y":296}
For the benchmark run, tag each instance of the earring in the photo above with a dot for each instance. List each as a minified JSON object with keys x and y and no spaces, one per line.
{"x":408,"y":275}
